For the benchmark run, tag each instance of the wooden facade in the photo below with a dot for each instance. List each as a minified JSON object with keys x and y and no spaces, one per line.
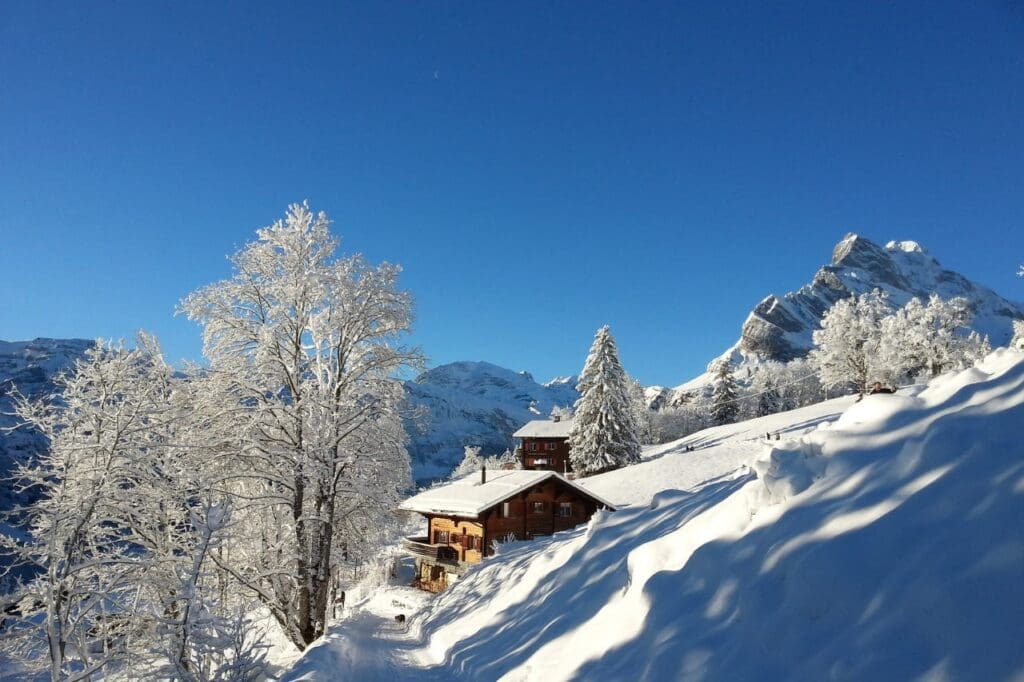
{"x":453,"y":543}
{"x":544,"y":445}
{"x":551,"y":454}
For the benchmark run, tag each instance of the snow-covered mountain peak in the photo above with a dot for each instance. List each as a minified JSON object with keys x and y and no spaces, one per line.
{"x":780,"y":327}
{"x":905,"y":246}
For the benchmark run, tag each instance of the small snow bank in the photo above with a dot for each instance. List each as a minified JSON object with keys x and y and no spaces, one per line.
{"x":886,"y":543}
{"x":787,"y":469}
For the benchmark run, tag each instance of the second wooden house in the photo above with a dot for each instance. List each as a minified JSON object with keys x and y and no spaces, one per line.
{"x":545,"y":444}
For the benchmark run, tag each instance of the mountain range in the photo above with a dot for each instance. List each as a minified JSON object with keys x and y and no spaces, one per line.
{"x":482,"y":404}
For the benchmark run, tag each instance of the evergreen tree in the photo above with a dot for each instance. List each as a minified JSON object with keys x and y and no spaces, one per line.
{"x":604,"y":430}
{"x":725,"y":406}
{"x":1018,"y":335}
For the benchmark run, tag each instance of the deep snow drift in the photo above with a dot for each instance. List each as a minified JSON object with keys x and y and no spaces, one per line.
{"x":884,"y":541}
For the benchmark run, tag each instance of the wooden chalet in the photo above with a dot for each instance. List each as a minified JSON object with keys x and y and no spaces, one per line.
{"x":465,"y":517}
{"x":545,"y":444}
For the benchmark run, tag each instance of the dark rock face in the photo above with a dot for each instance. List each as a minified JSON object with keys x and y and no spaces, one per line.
{"x":781,"y":328}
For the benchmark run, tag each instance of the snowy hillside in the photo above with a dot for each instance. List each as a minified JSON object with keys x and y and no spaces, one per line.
{"x":780,"y":328}
{"x":879,"y":540}
{"x":475,"y":403}
{"x":31,"y":367}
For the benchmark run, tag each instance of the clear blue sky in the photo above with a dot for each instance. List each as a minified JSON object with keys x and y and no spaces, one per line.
{"x":539,"y":169}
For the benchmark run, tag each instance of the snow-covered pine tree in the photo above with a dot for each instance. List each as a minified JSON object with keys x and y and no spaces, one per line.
{"x":308,"y":343}
{"x":848,"y":342}
{"x":725,"y":406}
{"x":604,"y":430}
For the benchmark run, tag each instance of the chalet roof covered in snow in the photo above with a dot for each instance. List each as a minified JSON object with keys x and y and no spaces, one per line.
{"x":468,"y":497}
{"x":545,"y":428}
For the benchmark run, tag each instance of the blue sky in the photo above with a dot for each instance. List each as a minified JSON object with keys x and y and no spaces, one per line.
{"x":539,"y":169}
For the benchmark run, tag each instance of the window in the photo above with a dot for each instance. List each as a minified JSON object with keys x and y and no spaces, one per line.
{"x":531,"y":446}
{"x":538,"y":507}
{"x":441,"y":537}
{"x":506,"y":510}
{"x":550,"y":445}
{"x":565,"y":508}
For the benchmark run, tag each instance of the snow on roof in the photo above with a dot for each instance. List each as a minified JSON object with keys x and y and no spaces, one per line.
{"x":545,"y":428}
{"x":468,"y":497}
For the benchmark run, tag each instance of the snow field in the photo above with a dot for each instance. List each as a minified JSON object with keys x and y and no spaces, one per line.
{"x":878,"y":540}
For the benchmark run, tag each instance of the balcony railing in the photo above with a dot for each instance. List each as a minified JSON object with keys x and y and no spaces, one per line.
{"x":421,"y":548}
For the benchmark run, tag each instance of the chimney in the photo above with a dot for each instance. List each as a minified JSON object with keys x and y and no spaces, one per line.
{"x":483,"y":474}
{"x":556,"y":417}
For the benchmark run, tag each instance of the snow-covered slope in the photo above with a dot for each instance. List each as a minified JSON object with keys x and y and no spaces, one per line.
{"x":879,"y":540}
{"x":475,"y":403}
{"x":780,"y":328}
{"x":29,"y":366}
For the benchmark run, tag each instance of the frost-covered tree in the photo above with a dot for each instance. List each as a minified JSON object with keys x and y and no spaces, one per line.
{"x":470,"y":463}
{"x":799,"y":384}
{"x":604,"y":430}
{"x":767,"y":397}
{"x":848,"y":342}
{"x":1018,"y":335}
{"x":561,"y":412}
{"x":642,"y":414}
{"x":677,"y":421}
{"x":929,"y":338}
{"x":120,"y":537}
{"x":80,"y":613}
{"x":725,"y":396}
{"x":304,"y":347}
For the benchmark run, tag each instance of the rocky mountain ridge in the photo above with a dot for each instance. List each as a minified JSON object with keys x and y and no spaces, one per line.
{"x":780,"y":328}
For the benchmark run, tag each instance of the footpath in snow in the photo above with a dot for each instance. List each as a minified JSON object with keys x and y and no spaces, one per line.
{"x":880,"y":540}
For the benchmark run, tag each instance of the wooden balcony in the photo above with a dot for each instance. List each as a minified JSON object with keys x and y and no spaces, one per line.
{"x":420,"y":548}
